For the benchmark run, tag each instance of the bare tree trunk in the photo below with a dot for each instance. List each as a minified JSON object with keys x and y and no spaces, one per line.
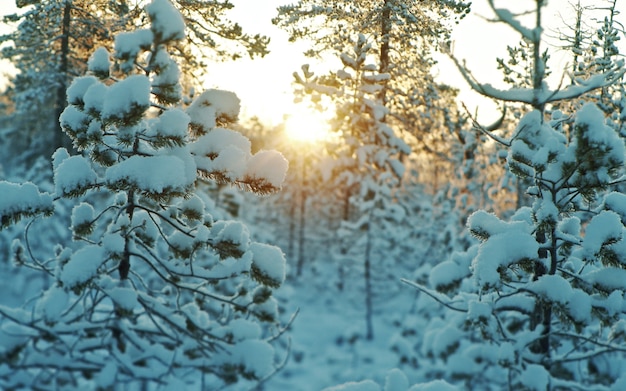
{"x":578,"y":38}
{"x":385,"y":31}
{"x":301,"y":227}
{"x":59,"y":138}
{"x":292,"y":229}
{"x":543,"y":311}
{"x":539,"y":67}
{"x":385,"y":48}
{"x":367,"y":273}
{"x":344,"y":249}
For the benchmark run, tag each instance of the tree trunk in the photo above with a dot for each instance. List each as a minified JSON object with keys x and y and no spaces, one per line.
{"x":301,"y":227}
{"x":577,"y":44}
{"x":124,"y":265}
{"x":543,"y":311}
{"x":59,"y":138}
{"x":292,"y":230}
{"x":385,"y":31}
{"x":367,"y":273}
{"x":539,"y":67}
{"x":343,"y":247}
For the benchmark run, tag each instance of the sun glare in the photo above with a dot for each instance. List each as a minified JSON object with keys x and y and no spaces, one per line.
{"x":306,"y":125}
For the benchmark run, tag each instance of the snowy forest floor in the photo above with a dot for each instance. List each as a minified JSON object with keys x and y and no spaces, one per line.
{"x":327,"y":336}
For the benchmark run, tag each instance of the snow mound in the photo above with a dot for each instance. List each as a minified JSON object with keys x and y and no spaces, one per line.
{"x":167,"y":23}
{"x":151,"y":174}
{"x":269,"y":166}
{"x":268,"y":264}
{"x":22,"y":199}
{"x":499,"y":252}
{"x":73,"y":176}
{"x":82,"y":266}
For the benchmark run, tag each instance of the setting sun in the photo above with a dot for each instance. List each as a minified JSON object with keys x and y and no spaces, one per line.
{"x":306,"y":125}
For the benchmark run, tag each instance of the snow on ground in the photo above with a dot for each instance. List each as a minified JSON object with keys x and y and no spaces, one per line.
{"x":322,"y":354}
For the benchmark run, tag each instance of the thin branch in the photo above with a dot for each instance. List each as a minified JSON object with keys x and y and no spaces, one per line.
{"x":30,"y":251}
{"x":286,"y":327}
{"x":591,"y":340}
{"x":278,"y":368}
{"x":164,"y":218}
{"x":432,"y":294}
{"x":187,"y":287}
{"x":485,"y":131}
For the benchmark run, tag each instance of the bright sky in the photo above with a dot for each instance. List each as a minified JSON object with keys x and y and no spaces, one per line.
{"x":479,"y":43}
{"x":264,"y":85}
{"x":8,"y":7}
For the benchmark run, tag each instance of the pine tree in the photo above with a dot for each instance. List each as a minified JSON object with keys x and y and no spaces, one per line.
{"x":153,"y":291}
{"x":366,"y":163}
{"x":538,"y":303}
{"x":402,"y":36}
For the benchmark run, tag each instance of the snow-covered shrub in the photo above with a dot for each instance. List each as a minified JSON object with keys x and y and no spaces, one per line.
{"x":153,"y":290}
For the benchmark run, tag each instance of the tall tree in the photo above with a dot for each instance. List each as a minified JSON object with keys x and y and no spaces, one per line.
{"x":153,"y":291}
{"x":366,"y":159}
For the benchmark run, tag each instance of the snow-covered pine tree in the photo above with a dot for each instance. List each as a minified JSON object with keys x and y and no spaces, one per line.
{"x":366,"y":162}
{"x":153,"y":290}
{"x":539,"y":303}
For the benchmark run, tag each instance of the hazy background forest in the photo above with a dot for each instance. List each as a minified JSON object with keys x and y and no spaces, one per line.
{"x":350,"y":195}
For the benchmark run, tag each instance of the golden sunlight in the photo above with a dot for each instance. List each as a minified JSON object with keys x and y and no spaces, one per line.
{"x":306,"y":125}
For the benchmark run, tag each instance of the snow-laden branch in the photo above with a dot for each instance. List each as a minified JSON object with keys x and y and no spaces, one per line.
{"x":531,"y":96}
{"x":506,"y":16}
